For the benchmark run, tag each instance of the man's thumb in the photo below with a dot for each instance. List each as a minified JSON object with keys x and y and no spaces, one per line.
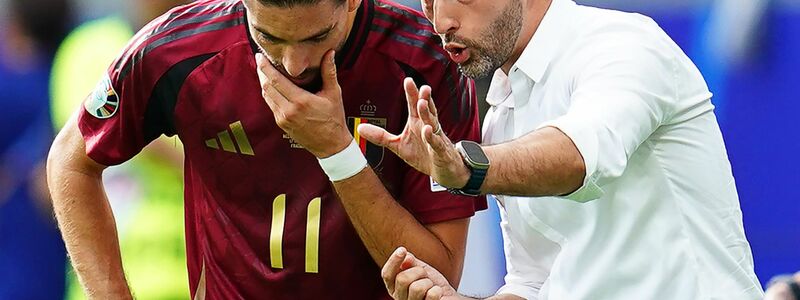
{"x":330,"y":81}
{"x":377,"y":136}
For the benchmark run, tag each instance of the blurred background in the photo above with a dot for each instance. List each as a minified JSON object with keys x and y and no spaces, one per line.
{"x":52,"y":53}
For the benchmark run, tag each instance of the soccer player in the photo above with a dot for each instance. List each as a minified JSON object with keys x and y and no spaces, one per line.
{"x":263,"y":220}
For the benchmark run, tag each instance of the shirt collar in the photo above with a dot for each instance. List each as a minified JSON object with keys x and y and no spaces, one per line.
{"x":547,"y":41}
{"x":499,"y":90}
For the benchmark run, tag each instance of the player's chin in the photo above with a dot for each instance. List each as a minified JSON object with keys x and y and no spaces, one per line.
{"x":313,"y":85}
{"x":310,"y":80}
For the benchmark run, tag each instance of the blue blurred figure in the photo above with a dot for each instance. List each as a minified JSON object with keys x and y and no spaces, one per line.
{"x":32,"y":254}
{"x":415,"y":4}
{"x":750,"y":54}
{"x":727,"y":38}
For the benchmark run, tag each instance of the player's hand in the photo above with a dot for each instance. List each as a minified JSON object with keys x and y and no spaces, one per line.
{"x":315,"y":121}
{"x":407,"y":277}
{"x":422,"y":144}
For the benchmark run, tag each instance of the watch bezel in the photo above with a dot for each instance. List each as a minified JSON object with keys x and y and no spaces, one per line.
{"x":471,"y":162}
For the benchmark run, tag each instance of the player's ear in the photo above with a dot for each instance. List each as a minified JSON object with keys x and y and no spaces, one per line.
{"x":352,"y":5}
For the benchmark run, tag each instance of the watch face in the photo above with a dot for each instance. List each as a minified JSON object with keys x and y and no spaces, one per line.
{"x":475,"y":153}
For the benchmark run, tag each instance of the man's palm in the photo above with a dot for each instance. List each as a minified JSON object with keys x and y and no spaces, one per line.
{"x":409,"y":145}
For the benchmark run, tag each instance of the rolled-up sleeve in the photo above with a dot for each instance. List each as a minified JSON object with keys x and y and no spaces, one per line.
{"x":621,"y":95}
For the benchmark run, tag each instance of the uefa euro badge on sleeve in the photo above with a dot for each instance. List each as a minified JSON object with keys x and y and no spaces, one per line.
{"x":103,"y":102}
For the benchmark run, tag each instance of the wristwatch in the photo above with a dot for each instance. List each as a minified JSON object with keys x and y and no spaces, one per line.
{"x":477,"y":162}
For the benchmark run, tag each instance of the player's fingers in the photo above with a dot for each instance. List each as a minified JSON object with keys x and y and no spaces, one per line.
{"x":435,"y":138}
{"x":272,"y":77}
{"x":379,"y":136}
{"x":408,"y":262}
{"x":434,"y":293}
{"x":392,"y":267}
{"x":262,"y":77}
{"x":412,"y":96}
{"x":404,"y":280}
{"x":275,"y":100}
{"x":427,"y":116}
{"x":427,"y":93}
{"x":418,"y":289}
{"x":330,"y":82}
{"x":437,"y":142}
{"x":412,"y":261}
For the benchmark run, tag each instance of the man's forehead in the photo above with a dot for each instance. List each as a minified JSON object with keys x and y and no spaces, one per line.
{"x":319,"y":7}
{"x":298,"y":19}
{"x":300,"y":35}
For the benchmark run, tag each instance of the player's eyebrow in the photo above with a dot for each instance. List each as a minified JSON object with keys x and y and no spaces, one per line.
{"x":316,"y":35}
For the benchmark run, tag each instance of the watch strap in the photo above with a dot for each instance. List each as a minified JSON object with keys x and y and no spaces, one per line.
{"x":473,"y":186}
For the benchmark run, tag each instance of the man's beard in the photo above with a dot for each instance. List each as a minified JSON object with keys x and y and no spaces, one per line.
{"x":313,"y":87}
{"x":495,"y":44}
{"x":316,"y":84}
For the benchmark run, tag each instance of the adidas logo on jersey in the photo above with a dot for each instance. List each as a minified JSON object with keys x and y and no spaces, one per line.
{"x":238,"y":144}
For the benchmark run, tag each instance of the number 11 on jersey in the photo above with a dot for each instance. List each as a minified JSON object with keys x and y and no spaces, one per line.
{"x":312,"y":233}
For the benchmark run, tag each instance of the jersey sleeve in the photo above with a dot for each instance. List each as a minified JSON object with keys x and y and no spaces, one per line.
{"x":455,"y":99}
{"x":118,"y":119}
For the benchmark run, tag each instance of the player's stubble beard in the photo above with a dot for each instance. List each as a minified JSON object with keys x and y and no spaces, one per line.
{"x":495,"y":44}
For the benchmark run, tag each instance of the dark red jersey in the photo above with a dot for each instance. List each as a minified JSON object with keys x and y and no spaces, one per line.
{"x":262,"y":219}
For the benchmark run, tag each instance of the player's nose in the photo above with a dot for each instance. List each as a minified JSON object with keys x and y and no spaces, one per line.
{"x":295,"y":60}
{"x":444,"y":17}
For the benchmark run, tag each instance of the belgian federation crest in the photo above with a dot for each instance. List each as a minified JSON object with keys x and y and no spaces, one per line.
{"x":103,"y":103}
{"x":372,"y":152}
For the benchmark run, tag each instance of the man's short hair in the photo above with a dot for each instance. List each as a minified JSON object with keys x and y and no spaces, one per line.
{"x":291,"y":3}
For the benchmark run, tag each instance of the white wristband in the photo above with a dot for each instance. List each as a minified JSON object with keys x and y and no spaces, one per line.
{"x":345,"y":164}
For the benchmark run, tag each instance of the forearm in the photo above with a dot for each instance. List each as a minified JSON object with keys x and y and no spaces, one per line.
{"x":383,"y":225}
{"x":494,"y":297}
{"x":505,"y":297}
{"x":542,"y":163}
{"x":87,"y":224}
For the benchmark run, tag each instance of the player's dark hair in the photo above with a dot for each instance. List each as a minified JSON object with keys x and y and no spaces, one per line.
{"x":291,"y":3}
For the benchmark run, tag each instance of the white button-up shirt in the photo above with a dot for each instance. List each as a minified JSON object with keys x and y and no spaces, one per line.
{"x":658,"y":215}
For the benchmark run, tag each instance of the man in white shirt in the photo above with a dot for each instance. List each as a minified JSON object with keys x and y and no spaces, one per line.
{"x":604,"y":151}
